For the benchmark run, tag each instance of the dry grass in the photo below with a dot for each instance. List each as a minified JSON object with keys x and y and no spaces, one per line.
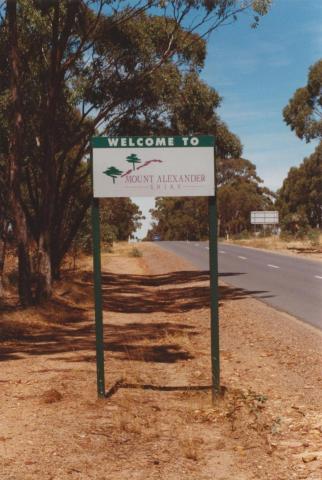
{"x":275,"y":243}
{"x":130,"y":373}
{"x":135,"y":252}
{"x":51,"y":396}
{"x":191,"y":446}
{"x":121,"y":249}
{"x":128,"y":423}
{"x":19,"y":323}
{"x":172,"y":430}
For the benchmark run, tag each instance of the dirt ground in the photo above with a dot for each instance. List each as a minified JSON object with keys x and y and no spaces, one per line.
{"x":158,"y":420}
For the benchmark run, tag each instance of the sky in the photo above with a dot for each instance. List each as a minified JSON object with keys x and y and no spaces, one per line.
{"x":256,"y":72}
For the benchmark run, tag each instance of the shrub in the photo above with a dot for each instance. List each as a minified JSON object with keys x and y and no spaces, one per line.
{"x":314,"y":237}
{"x":135,"y":252}
{"x":296,"y":224}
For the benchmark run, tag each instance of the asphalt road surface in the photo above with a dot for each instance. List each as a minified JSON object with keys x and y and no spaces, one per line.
{"x":288,"y":283}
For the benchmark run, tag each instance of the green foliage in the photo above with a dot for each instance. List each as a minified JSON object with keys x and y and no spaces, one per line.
{"x":304,"y":111}
{"x":232,"y":170}
{"x":107,"y":67}
{"x":187,"y":107}
{"x":299,"y":200}
{"x":295,"y":224}
{"x":183,"y":218}
{"x":193,"y":112}
{"x":239,"y":192}
{"x":120,"y":218}
{"x":102,"y":74}
{"x":113,"y":172}
{"x":83,"y":239}
{"x":314,"y":237}
{"x":235,"y":202}
{"x":133,"y":158}
{"x":227,"y":143}
{"x":123,"y":215}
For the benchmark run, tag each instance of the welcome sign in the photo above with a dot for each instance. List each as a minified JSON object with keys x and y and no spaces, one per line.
{"x":156,"y":166}
{"x":153,"y":166}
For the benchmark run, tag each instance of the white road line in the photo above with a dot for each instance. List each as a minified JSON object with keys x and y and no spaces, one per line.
{"x":222,"y":251}
{"x":207,"y":248}
{"x":318,"y":276}
{"x":273,"y":266}
{"x":242,"y":258}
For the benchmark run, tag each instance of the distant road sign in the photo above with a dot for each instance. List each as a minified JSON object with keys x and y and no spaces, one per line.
{"x":264,"y":217}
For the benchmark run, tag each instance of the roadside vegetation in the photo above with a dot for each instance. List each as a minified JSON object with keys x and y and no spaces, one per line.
{"x":308,"y":246}
{"x":71,"y":70}
{"x":240,"y":190}
{"x":299,"y":200}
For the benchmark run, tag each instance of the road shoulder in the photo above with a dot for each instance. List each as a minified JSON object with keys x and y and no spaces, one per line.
{"x":158,"y":421}
{"x":314,"y":257}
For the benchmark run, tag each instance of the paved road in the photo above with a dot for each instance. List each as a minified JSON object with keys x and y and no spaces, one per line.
{"x":289,"y":283}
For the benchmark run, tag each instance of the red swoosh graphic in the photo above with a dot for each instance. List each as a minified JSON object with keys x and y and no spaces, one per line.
{"x":145,"y":164}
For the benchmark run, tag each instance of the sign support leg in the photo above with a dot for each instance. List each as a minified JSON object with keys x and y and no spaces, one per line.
{"x":214,"y":310}
{"x":98,"y":298}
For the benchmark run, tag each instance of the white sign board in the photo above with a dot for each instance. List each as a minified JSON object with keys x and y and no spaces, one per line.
{"x":264,"y":217}
{"x":153,"y":166}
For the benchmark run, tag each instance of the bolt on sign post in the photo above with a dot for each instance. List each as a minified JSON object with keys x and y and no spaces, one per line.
{"x":154,"y":167}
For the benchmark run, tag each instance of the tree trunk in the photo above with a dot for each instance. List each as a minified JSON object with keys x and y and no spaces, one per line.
{"x":48,"y":179}
{"x":44,"y":280}
{"x":3,"y":245}
{"x":55,"y":268}
{"x":61,"y":241}
{"x":15,"y":158}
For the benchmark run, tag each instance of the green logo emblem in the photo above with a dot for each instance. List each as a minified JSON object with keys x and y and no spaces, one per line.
{"x":113,"y":172}
{"x":133,"y":158}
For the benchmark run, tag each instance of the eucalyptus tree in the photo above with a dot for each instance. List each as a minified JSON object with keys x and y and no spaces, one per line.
{"x":300,"y":198}
{"x":239,"y":192}
{"x":4,"y":217}
{"x":79,"y":68}
{"x":14,"y":145}
{"x":304,"y":110}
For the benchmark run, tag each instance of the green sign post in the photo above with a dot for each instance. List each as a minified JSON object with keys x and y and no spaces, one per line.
{"x":154,"y":166}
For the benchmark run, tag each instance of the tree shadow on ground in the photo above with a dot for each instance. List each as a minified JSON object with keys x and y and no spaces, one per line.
{"x":122,"y":340}
{"x":159,"y":388}
{"x":179,"y":292}
{"x":142,"y":341}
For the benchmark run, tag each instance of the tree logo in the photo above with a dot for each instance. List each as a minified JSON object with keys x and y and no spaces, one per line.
{"x":113,"y":172}
{"x":133,"y":158}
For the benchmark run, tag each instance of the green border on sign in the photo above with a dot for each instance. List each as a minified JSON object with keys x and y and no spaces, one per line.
{"x":176,"y":141}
